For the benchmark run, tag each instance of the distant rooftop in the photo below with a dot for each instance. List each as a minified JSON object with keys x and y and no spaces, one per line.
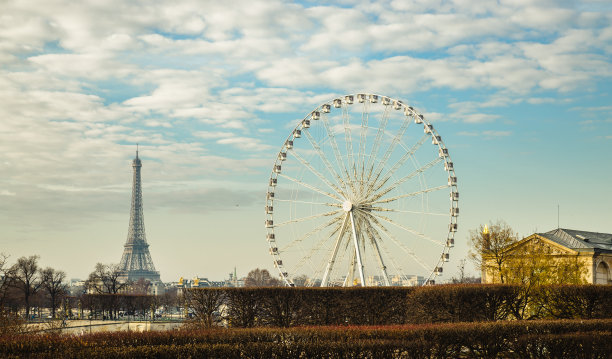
{"x":575,"y":239}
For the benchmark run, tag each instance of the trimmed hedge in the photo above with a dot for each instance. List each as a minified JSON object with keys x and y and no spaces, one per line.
{"x":287,"y":307}
{"x":460,"y":303}
{"x":516,"y":339}
{"x":576,"y":301}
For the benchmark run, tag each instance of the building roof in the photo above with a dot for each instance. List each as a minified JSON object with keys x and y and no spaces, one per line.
{"x":578,"y":240}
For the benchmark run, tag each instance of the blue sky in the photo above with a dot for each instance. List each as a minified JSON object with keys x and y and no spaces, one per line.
{"x":520,"y":91}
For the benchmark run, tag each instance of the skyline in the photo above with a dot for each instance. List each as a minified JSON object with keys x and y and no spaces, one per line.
{"x":520,"y":93}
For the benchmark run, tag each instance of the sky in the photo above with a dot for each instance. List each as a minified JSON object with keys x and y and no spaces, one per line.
{"x":520,"y":91}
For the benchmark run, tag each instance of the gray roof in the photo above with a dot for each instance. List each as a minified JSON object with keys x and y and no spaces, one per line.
{"x":580,"y":240}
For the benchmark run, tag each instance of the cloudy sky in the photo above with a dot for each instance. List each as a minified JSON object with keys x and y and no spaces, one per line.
{"x":520,"y":91}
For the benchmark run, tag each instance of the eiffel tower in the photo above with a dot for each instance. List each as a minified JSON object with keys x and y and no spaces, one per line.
{"x":136,"y":262}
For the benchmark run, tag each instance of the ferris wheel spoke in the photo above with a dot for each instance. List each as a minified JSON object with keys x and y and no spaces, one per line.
{"x":308,"y":202}
{"x":309,"y":234}
{"x":336,"y":271}
{"x":330,"y":195}
{"x":374,"y":184}
{"x":334,"y":144}
{"x":303,"y":219}
{"x":401,"y":245}
{"x":348,"y":141}
{"x":398,"y":268}
{"x":377,"y":141}
{"x":403,"y":179}
{"x":330,"y":263}
{"x":412,"y":194}
{"x":307,"y":258}
{"x":406,"y":228}
{"x":396,"y":139}
{"x":382,"y":209}
{"x":365,"y":114}
{"x":374,"y":239}
{"x":318,"y":269}
{"x":317,"y":173}
{"x":323,"y":158}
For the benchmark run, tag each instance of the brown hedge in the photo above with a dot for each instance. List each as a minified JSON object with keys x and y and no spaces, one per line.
{"x":286,"y":307}
{"x":515,"y":339}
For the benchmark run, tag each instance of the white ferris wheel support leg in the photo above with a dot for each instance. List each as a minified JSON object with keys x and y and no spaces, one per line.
{"x":330,"y":264}
{"x":350,"y":275}
{"x":383,"y":267}
{"x":357,"y":250}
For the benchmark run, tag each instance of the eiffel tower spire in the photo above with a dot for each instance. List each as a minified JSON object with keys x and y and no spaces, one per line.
{"x":136,"y":262}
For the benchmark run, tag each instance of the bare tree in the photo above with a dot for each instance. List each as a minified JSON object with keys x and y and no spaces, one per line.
{"x":27,"y":279}
{"x":489,"y":248}
{"x":463,"y":278}
{"x":205,"y":304}
{"x":141,"y":286}
{"x":10,"y":323}
{"x":54,"y":286}
{"x":105,"y":279}
{"x":170,"y":298}
{"x":261,"y":278}
{"x":6,"y":276}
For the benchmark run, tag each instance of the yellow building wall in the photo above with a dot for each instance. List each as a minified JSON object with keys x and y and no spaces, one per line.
{"x":555,"y":253}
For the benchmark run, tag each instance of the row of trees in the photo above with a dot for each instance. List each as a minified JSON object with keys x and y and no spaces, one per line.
{"x":24,"y":281}
{"x":25,"y":284}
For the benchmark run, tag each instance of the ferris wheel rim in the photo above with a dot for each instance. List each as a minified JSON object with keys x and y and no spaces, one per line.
{"x":336,"y":191}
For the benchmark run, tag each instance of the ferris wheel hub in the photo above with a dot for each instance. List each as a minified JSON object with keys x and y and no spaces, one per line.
{"x":347,"y":206}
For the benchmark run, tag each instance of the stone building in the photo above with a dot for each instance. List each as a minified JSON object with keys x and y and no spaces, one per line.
{"x":590,"y":250}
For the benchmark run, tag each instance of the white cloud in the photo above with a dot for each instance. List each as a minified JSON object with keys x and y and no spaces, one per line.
{"x":245,"y":143}
{"x":478,"y":117}
{"x":207,"y":134}
{"x":95,"y":66}
{"x":205,"y":88}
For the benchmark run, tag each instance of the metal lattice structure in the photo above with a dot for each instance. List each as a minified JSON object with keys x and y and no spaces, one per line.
{"x":357,"y":197}
{"x":136,"y":262}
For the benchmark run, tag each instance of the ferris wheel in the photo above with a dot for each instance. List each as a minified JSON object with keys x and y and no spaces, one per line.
{"x":362,"y":193}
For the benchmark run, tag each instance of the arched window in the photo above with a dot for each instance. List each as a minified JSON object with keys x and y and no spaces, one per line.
{"x":601,"y":274}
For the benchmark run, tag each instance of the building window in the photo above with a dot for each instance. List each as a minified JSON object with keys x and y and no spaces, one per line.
{"x":601,"y":274}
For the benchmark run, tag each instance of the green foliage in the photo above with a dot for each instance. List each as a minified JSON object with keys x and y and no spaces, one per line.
{"x":489,"y":246}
